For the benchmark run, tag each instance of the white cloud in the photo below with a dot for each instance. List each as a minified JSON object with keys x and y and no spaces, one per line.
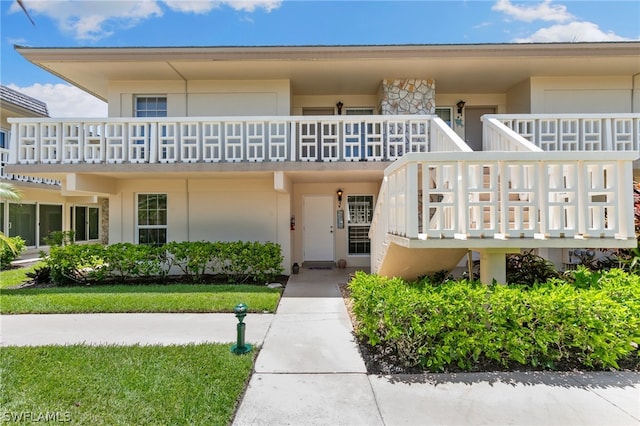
{"x":93,"y":19}
{"x":64,"y":100}
{"x":544,"y":11}
{"x":205,"y":6}
{"x":572,"y":32}
{"x":567,"y":29}
{"x":96,"y":19}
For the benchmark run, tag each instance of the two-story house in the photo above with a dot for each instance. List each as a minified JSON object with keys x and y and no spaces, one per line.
{"x":402,"y":157}
{"x":43,"y":208}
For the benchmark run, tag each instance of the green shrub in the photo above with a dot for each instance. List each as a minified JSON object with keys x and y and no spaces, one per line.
{"x":192,"y":258}
{"x":10,"y":249}
{"x":460,"y":324}
{"x":60,"y":238}
{"x":95,"y":263}
{"x":76,"y":263}
{"x":529,"y":268}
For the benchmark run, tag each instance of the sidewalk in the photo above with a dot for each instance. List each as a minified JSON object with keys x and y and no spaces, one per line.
{"x":128,"y":329}
{"x":309,"y":370}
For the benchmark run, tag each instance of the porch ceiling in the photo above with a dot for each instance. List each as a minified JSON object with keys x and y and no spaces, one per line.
{"x":340,"y":69}
{"x":297,"y":172}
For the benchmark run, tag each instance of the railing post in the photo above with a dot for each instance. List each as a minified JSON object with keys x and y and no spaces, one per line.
{"x":608,"y":135}
{"x":626,"y":226}
{"x":152,"y":141}
{"x":411,"y":200}
{"x":13,"y":144}
{"x":462,"y":198}
{"x":293,"y":141}
{"x":582,"y":176}
{"x":503,"y":205}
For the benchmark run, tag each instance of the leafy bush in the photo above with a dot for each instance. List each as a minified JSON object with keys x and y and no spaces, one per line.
{"x":8,"y":253}
{"x":95,"y":263}
{"x":60,"y":238}
{"x":460,"y":324}
{"x":76,"y":264}
{"x":529,"y":268}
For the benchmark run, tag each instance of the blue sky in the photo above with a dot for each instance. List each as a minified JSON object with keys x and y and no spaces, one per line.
{"x":71,"y":23}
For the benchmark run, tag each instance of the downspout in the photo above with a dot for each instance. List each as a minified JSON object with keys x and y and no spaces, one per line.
{"x":186,"y":87}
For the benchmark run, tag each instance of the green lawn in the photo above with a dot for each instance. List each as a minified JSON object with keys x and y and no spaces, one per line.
{"x":13,"y":277}
{"x":138,"y":298}
{"x":122,"y":385}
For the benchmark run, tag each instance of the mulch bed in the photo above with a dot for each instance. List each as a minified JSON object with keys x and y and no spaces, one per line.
{"x":209,"y":279}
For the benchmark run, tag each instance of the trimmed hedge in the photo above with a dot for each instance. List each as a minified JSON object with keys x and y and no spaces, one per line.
{"x":237,"y":262}
{"x":594,"y":322}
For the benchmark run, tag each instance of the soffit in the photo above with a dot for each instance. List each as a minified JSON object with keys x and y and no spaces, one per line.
{"x":346,"y":70}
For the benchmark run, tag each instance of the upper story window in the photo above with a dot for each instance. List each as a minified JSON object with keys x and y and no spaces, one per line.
{"x":358,"y":111}
{"x":151,"y":106}
{"x":4,"y":139}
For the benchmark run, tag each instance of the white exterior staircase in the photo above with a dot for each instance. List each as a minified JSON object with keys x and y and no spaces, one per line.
{"x":433,"y":207}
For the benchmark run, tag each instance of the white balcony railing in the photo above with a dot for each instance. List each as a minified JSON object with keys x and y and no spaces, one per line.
{"x":230,"y":139}
{"x":576,"y":132}
{"x":4,"y":159}
{"x":495,"y":195}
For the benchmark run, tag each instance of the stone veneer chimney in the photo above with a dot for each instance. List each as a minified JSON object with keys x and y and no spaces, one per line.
{"x":407,"y":96}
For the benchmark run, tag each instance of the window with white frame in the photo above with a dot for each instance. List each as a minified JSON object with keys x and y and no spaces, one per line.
{"x":151,"y":106}
{"x":152,"y":219}
{"x":446,"y":114}
{"x":4,"y":139}
{"x":359,"y":215}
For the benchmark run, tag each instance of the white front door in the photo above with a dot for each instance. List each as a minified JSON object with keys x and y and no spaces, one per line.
{"x":318,"y":228}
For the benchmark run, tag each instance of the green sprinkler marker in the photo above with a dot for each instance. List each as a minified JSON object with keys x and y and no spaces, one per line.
{"x":241,"y":347}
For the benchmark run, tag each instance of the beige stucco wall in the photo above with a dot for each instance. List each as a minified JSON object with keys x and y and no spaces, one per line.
{"x":551,"y":95}
{"x":519,"y":98}
{"x":208,"y":210}
{"x":205,"y":98}
{"x":300,"y":190}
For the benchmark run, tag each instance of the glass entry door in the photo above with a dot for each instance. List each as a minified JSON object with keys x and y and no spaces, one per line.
{"x":22,"y":222}
{"x":50,"y":220}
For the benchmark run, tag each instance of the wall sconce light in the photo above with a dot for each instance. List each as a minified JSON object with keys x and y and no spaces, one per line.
{"x":339,"y":193}
{"x":339,"y":105}
{"x":460,"y":105}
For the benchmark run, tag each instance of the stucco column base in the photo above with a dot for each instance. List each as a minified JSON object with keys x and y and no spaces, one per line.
{"x":493,"y":264}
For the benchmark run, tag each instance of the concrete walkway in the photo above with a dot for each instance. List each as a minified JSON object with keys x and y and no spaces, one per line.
{"x":309,"y":370}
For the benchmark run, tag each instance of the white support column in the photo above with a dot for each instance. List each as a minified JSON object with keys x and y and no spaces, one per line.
{"x":493,"y":264}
